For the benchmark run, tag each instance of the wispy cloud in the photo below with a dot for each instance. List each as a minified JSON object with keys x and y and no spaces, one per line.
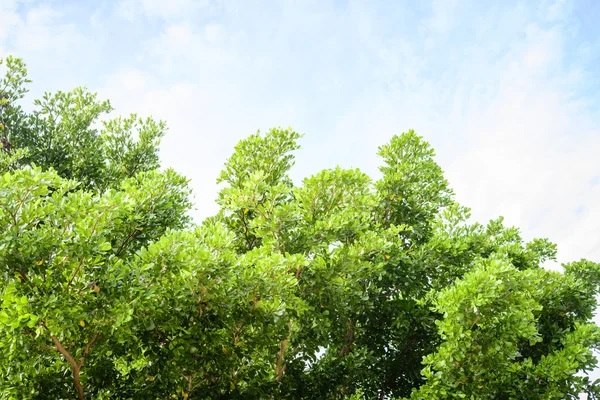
{"x":134,"y":9}
{"x":504,"y":91}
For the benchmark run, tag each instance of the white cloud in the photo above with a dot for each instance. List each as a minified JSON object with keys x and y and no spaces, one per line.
{"x":442,"y":17}
{"x":531,"y":153}
{"x":181,"y":46}
{"x":497,"y":98}
{"x":40,"y":35}
{"x":511,"y":137}
{"x":40,"y":32}
{"x":165,"y":9}
{"x":557,"y":10}
{"x":205,"y":121}
{"x":10,"y":19}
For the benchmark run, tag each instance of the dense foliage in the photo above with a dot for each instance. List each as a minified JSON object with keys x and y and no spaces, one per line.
{"x":339,"y":287}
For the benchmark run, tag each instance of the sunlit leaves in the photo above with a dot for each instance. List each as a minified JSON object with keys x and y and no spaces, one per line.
{"x":334,"y":287}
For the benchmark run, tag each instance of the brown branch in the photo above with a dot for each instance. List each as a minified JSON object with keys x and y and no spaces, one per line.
{"x":280,"y":365}
{"x":237,"y":333}
{"x":197,"y":384}
{"x":256,"y":203}
{"x":348,"y":339}
{"x":250,"y":243}
{"x":75,"y":367}
{"x":13,"y":215}
{"x":125,"y":242}
{"x":44,"y":345}
{"x":280,"y":246}
{"x":74,"y":274}
{"x":135,"y":231}
{"x":87,"y":348}
{"x":22,"y":200}
{"x":475,"y":322}
{"x":66,"y":225}
{"x":189,"y":384}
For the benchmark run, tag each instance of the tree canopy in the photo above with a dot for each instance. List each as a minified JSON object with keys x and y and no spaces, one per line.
{"x":338,"y":287}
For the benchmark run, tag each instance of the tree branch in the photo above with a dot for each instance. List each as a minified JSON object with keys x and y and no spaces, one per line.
{"x":74,"y":274}
{"x":125,"y":242}
{"x":87,"y":348}
{"x":75,"y":367}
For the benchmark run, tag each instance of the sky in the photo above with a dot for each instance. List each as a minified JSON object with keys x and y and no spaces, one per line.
{"x":507,"y":92}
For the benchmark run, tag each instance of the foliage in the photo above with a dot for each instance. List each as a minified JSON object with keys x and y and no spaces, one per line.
{"x":336,"y":288}
{"x":62,"y":133}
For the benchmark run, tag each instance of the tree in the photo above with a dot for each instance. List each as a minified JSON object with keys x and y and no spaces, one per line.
{"x":103,"y":293}
{"x":339,"y":287}
{"x":61,"y":133}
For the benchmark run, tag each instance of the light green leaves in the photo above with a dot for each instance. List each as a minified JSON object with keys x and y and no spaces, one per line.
{"x":496,"y":338}
{"x":413,"y":187}
{"x":335,"y":288}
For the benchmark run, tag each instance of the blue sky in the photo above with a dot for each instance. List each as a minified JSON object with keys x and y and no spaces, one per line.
{"x":506,"y":91}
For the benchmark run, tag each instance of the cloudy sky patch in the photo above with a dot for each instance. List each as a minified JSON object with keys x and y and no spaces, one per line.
{"x":506,"y":92}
